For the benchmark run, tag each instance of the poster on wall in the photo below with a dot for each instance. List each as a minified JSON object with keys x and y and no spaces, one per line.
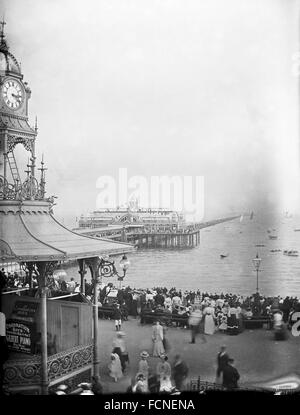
{"x":21,"y":327}
{"x":20,"y":336}
{"x":25,"y":311}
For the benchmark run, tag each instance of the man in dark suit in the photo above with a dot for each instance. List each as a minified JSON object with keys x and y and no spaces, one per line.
{"x":180,"y":372}
{"x":222,"y":360}
{"x":230,"y":376}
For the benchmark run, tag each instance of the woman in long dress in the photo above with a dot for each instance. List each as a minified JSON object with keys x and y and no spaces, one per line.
{"x":222,"y":322}
{"x":209,"y":320}
{"x":157,"y":338}
{"x":119,"y":348}
{"x":115,"y":368}
{"x":143,"y":367}
{"x":232,"y":321}
{"x":163,"y":372}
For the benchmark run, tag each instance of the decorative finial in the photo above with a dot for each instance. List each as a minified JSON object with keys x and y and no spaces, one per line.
{"x":42,"y":180}
{"x":3,"y":44}
{"x":36,"y":126}
{"x":2,"y":35}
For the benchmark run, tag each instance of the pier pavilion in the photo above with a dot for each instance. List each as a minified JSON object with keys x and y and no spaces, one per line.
{"x":32,"y":237}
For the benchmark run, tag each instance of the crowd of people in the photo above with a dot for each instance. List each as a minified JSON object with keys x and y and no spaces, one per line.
{"x":21,"y":279}
{"x":223,"y":312}
{"x":164,"y":376}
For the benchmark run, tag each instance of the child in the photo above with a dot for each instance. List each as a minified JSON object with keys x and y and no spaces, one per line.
{"x":115,"y":369}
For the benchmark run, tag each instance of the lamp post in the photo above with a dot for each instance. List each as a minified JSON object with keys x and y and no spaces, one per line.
{"x":124,"y":264}
{"x":256,"y":262}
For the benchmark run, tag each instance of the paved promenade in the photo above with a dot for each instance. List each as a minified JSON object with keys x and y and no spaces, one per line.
{"x":257,"y":355}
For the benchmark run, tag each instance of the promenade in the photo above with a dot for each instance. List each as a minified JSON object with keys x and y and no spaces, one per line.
{"x":257,"y":356}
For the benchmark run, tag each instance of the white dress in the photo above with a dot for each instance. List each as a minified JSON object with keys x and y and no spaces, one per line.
{"x":209,"y":323}
{"x":157,"y":337}
{"x":115,"y":368}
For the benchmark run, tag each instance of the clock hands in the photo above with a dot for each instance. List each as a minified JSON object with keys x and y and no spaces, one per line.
{"x":16,"y":96}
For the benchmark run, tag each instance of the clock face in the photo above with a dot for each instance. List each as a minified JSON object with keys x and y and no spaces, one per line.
{"x":12,"y":93}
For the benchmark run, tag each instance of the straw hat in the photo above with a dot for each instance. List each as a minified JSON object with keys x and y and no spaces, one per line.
{"x":121,"y":334}
{"x":144,"y":354}
{"x":84,"y":385}
{"x":62,"y":387}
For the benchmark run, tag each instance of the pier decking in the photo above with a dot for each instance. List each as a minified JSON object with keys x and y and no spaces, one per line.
{"x":186,"y":237}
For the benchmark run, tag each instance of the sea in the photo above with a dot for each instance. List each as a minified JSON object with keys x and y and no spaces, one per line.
{"x":202,"y":267}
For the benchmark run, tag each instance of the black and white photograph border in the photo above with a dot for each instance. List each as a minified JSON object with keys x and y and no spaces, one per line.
{"x":149,"y":200}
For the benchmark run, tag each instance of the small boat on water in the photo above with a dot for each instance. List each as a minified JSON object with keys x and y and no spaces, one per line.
{"x":297,"y":230}
{"x":275,"y":250}
{"x":290,"y":252}
{"x":259,"y":245}
{"x":273,"y":236}
{"x":224,"y":256}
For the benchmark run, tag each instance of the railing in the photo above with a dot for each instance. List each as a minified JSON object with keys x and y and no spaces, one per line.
{"x":28,"y":371}
{"x":197,"y":385}
{"x":62,"y":363}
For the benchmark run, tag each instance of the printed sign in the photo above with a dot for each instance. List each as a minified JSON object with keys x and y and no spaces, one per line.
{"x":24,"y":311}
{"x":20,"y":336}
{"x":21,"y":327}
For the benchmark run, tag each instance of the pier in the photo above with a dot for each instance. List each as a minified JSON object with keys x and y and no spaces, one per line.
{"x":138,"y":235}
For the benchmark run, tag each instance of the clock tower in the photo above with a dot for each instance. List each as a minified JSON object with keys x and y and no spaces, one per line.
{"x":15,"y":129}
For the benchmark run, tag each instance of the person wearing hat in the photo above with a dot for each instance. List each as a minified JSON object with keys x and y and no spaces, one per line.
{"x":163,"y":371}
{"x":180,"y":372}
{"x":119,"y":347}
{"x":143,"y":366}
{"x":194,"y":321}
{"x":157,"y":338}
{"x":209,"y":319}
{"x":117,"y":317}
{"x":115,"y":368}
{"x":86,"y":388}
{"x":140,"y":385}
{"x":222,"y":360}
{"x":230,"y":375}
{"x":61,"y":390}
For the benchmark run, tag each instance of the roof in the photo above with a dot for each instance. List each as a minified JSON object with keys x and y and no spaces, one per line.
{"x":108,"y":228}
{"x":29,"y":232}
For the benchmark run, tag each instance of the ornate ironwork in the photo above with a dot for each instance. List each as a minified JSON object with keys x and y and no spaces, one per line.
{"x":28,"y":371}
{"x":13,"y":140}
{"x":107,"y":268}
{"x":73,"y":359}
{"x":29,"y":190}
{"x":73,"y":381}
{"x":22,"y":372}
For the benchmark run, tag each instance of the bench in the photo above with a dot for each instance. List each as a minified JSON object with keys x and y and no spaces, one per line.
{"x":106,"y":312}
{"x":164,"y":318}
{"x":257,"y":322}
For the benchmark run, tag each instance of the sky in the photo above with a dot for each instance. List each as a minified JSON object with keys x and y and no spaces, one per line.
{"x":171,"y":87}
